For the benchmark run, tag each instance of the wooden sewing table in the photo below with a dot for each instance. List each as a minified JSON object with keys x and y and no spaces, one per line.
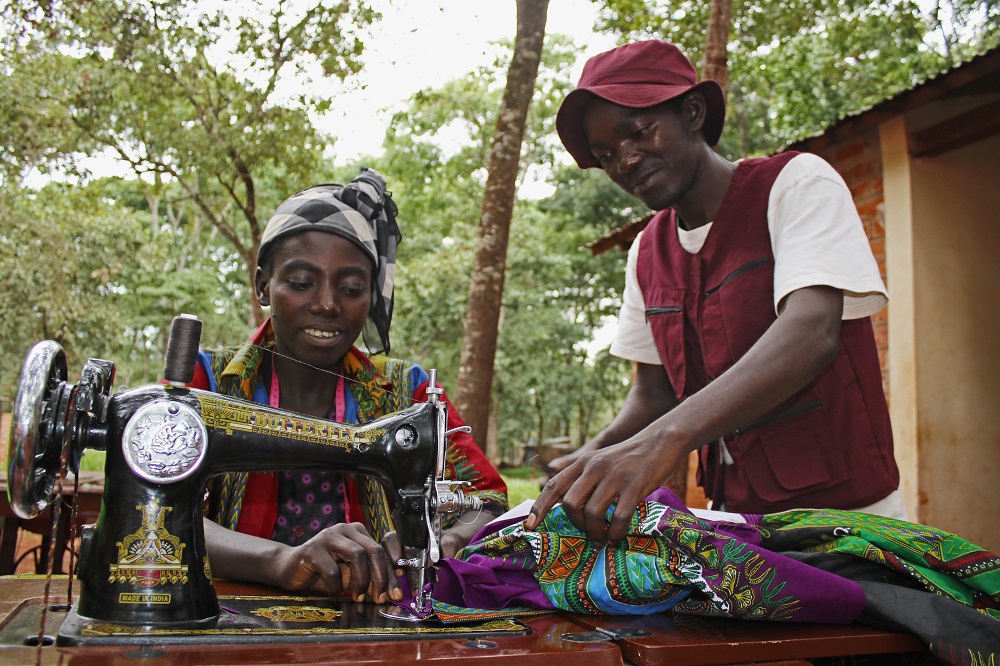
{"x":553,"y":639}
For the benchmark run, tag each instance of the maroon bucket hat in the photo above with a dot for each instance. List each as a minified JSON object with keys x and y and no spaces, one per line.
{"x":638,"y":76}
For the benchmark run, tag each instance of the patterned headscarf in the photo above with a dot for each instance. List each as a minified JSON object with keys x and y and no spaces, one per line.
{"x":362,"y":212}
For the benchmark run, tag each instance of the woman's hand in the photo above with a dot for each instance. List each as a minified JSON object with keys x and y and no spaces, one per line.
{"x":343,"y":557}
{"x":458,"y":536}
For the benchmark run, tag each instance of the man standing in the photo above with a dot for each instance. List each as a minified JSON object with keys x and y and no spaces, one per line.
{"x":746,"y":310}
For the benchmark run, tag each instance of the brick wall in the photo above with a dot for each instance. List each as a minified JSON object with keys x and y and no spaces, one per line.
{"x":859,"y":161}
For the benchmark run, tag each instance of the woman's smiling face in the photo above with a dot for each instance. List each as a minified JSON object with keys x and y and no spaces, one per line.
{"x":319,"y":290}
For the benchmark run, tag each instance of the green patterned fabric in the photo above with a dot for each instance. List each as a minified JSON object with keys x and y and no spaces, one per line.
{"x":942,"y":562}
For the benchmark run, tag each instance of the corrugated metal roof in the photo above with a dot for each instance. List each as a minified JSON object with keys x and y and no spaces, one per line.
{"x":979,"y":74}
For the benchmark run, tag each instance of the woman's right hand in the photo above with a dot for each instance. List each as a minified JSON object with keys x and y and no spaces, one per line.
{"x":343,"y":557}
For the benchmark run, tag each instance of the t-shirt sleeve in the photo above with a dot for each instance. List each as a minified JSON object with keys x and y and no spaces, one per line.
{"x":634,"y":339}
{"x":818,"y":239}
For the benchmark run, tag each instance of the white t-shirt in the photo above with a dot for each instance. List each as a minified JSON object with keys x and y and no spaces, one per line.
{"x":817,"y":239}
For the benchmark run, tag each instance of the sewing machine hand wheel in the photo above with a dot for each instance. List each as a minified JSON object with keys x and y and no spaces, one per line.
{"x":41,"y":428}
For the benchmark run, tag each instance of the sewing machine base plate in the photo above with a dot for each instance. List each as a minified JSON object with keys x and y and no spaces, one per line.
{"x":268,"y":619}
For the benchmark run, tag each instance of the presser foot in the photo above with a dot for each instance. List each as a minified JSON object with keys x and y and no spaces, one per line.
{"x":401,"y":614}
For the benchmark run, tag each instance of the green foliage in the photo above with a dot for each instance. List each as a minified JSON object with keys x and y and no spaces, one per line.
{"x":183,"y":93}
{"x":79,"y":266}
{"x":556,"y":294}
{"x":435,"y":159}
{"x":92,"y":461}
{"x":798,"y":65}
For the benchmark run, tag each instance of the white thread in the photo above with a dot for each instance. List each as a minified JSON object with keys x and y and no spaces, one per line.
{"x":330,"y":372}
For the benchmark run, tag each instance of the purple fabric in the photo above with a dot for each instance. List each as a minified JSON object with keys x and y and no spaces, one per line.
{"x":483,"y":582}
{"x":748,"y":532}
{"x":408,"y":602}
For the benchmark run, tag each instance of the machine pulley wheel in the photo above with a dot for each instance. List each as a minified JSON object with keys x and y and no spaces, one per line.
{"x":41,"y":428}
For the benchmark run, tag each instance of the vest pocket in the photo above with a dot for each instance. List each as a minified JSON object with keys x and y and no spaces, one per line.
{"x":791,"y":453}
{"x":735,"y":274}
{"x":665,"y":314}
{"x":662,"y":310}
{"x":735,"y":313}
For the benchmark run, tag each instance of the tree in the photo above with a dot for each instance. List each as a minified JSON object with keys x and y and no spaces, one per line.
{"x":83,"y":266}
{"x":475,"y":373}
{"x":63,"y":256}
{"x":181,"y":95}
{"x":555,"y":293}
{"x":796,"y":66}
{"x":716,"y":65}
{"x":549,"y":380}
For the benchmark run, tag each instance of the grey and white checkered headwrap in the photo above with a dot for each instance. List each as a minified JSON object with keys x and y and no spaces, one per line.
{"x":362,"y":212}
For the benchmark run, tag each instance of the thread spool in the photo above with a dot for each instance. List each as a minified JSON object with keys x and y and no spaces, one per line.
{"x":182,"y":350}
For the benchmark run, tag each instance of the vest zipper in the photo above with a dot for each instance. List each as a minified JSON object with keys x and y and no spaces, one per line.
{"x":668,"y":309}
{"x":742,"y":269}
{"x":768,"y":420}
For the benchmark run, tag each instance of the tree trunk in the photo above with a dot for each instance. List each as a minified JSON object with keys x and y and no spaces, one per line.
{"x":720,"y":21}
{"x":479,"y":344}
{"x":492,"y":439}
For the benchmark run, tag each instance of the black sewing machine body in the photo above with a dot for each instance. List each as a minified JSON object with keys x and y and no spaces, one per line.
{"x":145,"y":562}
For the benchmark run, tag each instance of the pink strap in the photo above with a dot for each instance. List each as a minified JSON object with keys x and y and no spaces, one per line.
{"x":339,"y":409}
{"x":340,"y":405}
{"x":274,"y":399}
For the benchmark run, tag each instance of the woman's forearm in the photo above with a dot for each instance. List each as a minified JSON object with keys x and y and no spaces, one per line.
{"x":238,"y":556}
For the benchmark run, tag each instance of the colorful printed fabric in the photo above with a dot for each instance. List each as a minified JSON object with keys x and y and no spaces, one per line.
{"x":941,"y":562}
{"x":807,"y":565}
{"x":670,"y":559}
{"x":449,"y":614}
{"x":380,"y":385}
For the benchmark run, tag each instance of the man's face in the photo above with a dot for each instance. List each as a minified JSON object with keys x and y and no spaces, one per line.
{"x":319,"y":292}
{"x":650,"y":153}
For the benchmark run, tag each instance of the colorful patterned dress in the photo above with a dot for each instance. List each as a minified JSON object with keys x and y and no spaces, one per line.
{"x":248,"y":502}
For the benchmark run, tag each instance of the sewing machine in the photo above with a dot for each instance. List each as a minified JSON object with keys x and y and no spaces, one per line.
{"x":145,"y":562}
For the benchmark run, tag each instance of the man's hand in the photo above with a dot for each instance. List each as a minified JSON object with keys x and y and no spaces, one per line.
{"x":622,"y":475}
{"x":597,"y":474}
{"x":343,"y":557}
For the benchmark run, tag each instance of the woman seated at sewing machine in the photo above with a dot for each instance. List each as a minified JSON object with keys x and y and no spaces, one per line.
{"x":325,"y":267}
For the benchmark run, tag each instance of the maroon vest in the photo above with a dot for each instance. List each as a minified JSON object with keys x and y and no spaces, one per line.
{"x":828,"y":446}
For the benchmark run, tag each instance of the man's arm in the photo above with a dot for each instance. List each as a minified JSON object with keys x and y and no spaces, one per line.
{"x":650,"y":397}
{"x":791,"y":353}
